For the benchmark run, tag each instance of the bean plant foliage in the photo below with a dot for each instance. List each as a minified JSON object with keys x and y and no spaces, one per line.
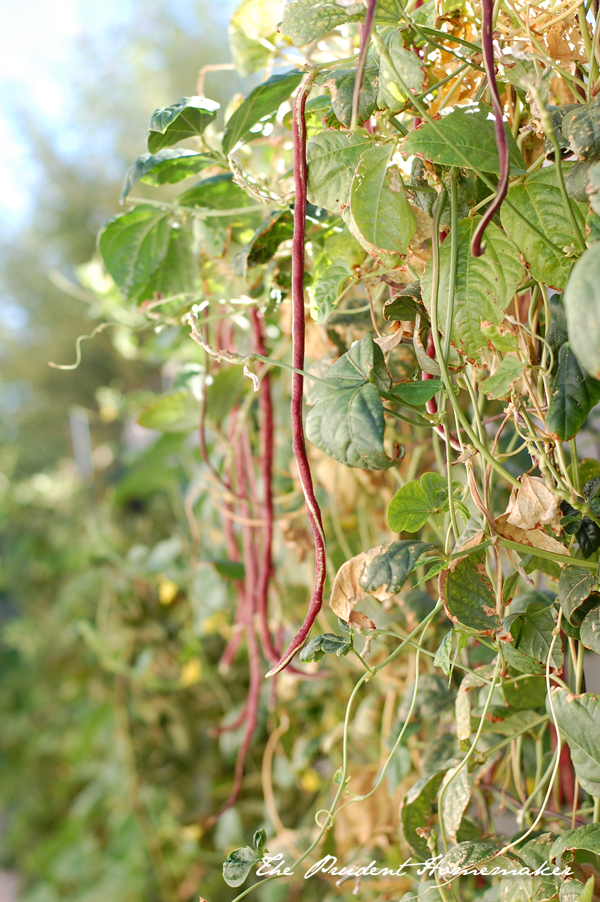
{"x":378,"y":288}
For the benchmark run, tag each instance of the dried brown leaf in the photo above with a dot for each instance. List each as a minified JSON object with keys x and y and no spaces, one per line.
{"x":346,"y":592}
{"x":532,"y":504}
{"x":535,"y":538}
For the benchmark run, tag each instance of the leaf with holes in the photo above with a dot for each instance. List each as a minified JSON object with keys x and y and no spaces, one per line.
{"x":578,"y":719}
{"x":341,"y":89}
{"x":582,"y":306}
{"x":332,"y":160}
{"x":484,"y":285}
{"x":472,"y":131}
{"x":187,"y":118}
{"x":586,"y":837}
{"x":260,"y":103}
{"x":539,"y":200}
{"x":384,"y":220}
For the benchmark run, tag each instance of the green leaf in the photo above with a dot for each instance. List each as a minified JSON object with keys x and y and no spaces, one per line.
{"x":341,"y":87}
{"x":468,"y":595}
{"x":500,"y":384}
{"x":539,"y":200}
{"x":176,"y":412}
{"x":219,"y":192}
{"x":264,"y":243}
{"x":409,"y":67}
{"x":582,"y":306}
{"x":470,"y":129}
{"x":176,"y":273}
{"x":574,"y":891}
{"x":390,"y":569}
{"x":575,"y":589}
{"x":578,"y":719}
{"x":186,"y":118}
{"x":573,"y":395}
{"x":415,"y":502}
{"x":590,"y":630}
{"x":260,"y":103}
{"x":484,"y":285}
{"x":383,"y":217}
{"x":405,"y":304}
{"x":238,"y":865}
{"x":416,"y":393}
{"x":581,"y":126}
{"x":525,"y":693}
{"x":347,"y":420}
{"x":593,"y":189}
{"x":458,"y":785}
{"x":307,"y":20}
{"x":532,"y":634}
{"x":224,"y":392}
{"x":586,"y":837}
{"x":467,"y":855}
{"x":326,"y":290}
{"x":332,"y":159}
{"x":165,"y":168}
{"x":326,"y":644}
{"x":556,"y":332}
{"x":259,"y":841}
{"x":133,"y":244}
{"x":253,"y":21}
{"x":416,"y":810}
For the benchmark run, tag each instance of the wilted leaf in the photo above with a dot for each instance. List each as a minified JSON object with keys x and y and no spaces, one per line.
{"x":535,"y":538}
{"x":532,"y":504}
{"x":578,"y":719}
{"x":405,"y":304}
{"x":380,"y":572}
{"x":463,"y":705}
{"x":186,"y":118}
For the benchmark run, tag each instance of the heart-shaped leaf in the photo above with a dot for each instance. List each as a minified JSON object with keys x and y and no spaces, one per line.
{"x":578,"y":719}
{"x":260,"y":103}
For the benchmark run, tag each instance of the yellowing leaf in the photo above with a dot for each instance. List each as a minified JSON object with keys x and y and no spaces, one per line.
{"x":532,"y":504}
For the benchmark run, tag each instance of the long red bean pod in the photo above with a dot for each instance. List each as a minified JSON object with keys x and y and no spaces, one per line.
{"x":487,"y":45}
{"x":298,"y":338}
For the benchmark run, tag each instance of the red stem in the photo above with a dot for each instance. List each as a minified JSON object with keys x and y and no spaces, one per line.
{"x":487,"y":45}
{"x":298,"y":338}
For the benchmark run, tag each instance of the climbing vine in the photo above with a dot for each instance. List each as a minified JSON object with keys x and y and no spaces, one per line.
{"x":396,"y":233}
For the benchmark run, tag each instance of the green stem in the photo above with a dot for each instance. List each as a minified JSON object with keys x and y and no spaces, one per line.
{"x":548,"y":555}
